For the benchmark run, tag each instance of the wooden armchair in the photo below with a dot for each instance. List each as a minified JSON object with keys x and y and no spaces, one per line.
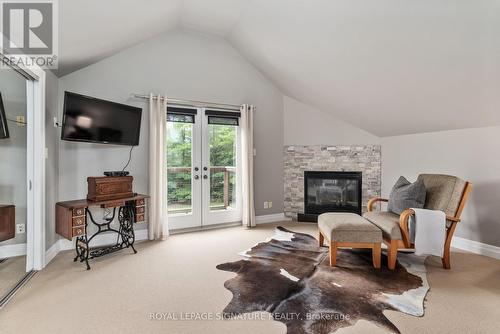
{"x":444,"y":192}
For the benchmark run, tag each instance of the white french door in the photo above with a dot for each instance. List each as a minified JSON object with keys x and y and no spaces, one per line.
{"x":203,"y":167}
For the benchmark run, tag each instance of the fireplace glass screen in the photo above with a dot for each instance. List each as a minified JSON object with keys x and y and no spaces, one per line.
{"x":332,"y":192}
{"x":342,"y":193}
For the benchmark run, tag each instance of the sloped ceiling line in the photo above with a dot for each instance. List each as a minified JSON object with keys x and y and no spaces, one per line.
{"x":389,"y":67}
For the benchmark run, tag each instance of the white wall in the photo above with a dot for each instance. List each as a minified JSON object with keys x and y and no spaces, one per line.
{"x":185,"y":65}
{"x":305,"y":125}
{"x":471,"y":154}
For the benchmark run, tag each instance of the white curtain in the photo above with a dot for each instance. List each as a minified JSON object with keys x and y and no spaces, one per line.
{"x":158,"y":219}
{"x":248,"y":217}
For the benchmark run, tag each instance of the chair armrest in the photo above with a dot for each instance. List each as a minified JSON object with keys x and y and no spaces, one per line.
{"x":403,"y":226}
{"x":374,"y":200}
{"x":453,"y":219}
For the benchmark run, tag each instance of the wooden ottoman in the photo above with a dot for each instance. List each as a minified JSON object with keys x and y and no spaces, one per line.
{"x":349,"y":230}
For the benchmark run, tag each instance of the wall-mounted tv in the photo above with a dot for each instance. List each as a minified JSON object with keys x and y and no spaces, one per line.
{"x":4,"y":130}
{"x":92,"y":120}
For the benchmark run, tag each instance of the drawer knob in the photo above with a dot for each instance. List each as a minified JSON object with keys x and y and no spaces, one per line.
{"x":78,"y":212}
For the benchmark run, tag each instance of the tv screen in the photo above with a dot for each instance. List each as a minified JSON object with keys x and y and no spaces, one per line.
{"x":4,"y":130}
{"x":92,"y":120}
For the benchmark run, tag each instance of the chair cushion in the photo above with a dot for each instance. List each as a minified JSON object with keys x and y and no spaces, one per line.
{"x":348,"y":227}
{"x":443,"y":192}
{"x":388,"y":222}
{"x":405,"y":195}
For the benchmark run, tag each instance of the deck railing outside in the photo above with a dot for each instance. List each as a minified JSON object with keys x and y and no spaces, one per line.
{"x":219,"y":200}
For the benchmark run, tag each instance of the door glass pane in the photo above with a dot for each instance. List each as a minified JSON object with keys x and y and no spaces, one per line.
{"x":222,"y":145}
{"x":179,"y":160}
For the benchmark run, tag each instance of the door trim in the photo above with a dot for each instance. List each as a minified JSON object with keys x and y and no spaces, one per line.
{"x":35,"y":252}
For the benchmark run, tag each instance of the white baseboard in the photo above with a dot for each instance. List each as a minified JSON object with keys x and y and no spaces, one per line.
{"x":476,"y":247}
{"x":273,"y":218}
{"x":100,"y":240}
{"x":12,"y":250}
{"x":51,"y":253}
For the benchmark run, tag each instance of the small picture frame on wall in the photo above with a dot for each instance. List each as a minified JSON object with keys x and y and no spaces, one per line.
{"x":4,"y":129}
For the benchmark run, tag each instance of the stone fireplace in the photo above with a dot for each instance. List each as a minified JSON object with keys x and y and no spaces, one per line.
{"x":364,"y":160}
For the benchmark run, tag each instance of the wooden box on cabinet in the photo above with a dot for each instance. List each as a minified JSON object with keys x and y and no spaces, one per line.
{"x":7,"y":222}
{"x":105,"y":188}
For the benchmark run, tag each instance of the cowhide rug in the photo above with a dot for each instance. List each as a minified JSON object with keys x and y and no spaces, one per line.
{"x":289,"y":276}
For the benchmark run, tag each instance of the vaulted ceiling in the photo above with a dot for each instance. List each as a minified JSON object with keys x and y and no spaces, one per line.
{"x":388,"y":66}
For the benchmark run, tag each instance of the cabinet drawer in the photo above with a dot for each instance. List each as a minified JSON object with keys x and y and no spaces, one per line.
{"x":139,"y":202}
{"x":78,"y":231}
{"x":79,"y":221}
{"x":139,"y":209}
{"x":139,"y":218}
{"x":78,"y":212}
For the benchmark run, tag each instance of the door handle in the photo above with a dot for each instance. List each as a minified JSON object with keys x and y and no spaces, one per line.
{"x":205,"y":177}
{"x":196,"y":177}
{"x":205,"y":168}
{"x":196,"y":169}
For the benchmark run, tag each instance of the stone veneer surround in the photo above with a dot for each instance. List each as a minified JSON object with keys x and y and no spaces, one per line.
{"x":297,"y":159}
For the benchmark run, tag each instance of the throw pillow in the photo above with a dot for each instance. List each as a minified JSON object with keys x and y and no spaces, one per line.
{"x":405,"y":195}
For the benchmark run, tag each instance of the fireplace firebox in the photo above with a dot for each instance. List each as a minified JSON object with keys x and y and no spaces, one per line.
{"x":330,"y":192}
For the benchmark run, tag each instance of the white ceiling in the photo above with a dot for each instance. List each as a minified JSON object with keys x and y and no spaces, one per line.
{"x":388,"y":66}
{"x":90,"y":30}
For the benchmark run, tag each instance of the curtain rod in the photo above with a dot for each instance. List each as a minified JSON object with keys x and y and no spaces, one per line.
{"x":192,"y":103}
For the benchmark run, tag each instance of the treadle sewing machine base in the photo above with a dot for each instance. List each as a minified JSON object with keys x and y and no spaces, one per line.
{"x":125,"y":235}
{"x":73,"y":219}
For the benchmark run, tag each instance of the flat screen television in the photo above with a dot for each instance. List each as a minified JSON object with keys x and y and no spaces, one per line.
{"x":4,"y":130}
{"x":92,"y":120}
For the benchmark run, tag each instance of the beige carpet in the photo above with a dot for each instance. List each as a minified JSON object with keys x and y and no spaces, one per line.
{"x":179,"y":275}
{"x":12,"y":270}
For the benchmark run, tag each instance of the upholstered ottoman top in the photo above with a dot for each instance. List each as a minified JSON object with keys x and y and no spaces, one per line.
{"x":348,"y":227}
